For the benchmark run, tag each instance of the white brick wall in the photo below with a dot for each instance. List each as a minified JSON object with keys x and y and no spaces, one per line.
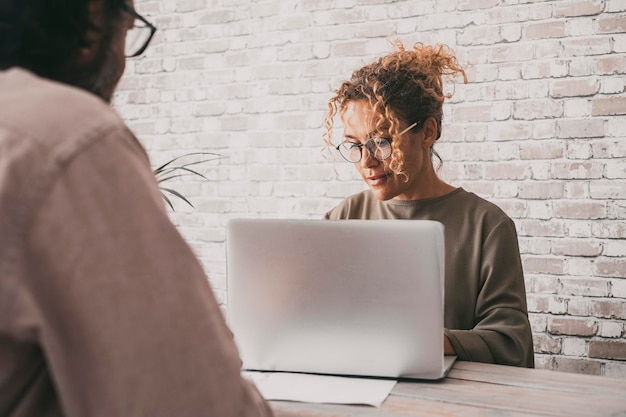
{"x":540,"y":129}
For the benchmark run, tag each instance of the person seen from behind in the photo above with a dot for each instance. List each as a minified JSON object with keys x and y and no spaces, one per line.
{"x":104,"y":309}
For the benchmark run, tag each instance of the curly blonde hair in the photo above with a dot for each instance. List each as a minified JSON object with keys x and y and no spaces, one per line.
{"x":405,"y":85}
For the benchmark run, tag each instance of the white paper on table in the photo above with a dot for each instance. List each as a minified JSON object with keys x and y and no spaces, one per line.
{"x":313,"y":388}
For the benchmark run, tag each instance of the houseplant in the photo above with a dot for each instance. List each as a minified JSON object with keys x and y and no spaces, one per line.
{"x":180,"y":167}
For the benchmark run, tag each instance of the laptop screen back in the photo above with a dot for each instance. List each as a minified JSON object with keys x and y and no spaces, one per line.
{"x":346,"y":297}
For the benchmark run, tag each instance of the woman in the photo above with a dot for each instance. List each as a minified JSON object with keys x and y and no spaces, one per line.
{"x":391,"y":112}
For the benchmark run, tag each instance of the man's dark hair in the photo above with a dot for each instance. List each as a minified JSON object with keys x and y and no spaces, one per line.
{"x":44,"y":36}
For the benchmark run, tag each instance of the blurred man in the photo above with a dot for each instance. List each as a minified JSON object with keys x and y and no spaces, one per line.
{"x":104,"y":310}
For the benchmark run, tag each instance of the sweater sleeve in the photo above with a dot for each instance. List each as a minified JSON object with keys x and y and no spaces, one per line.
{"x":129,"y":324}
{"x":501,"y":333}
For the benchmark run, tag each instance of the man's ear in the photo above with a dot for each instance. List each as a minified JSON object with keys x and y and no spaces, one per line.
{"x":88,"y":52}
{"x":430,"y":132}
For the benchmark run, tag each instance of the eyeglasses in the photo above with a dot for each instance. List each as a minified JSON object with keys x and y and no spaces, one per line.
{"x":379,"y":148}
{"x":139,"y":35}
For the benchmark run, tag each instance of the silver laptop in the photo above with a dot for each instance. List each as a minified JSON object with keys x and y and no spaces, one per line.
{"x":340,"y":297}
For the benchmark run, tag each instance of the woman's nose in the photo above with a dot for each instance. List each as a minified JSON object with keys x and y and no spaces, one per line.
{"x":367,"y":159}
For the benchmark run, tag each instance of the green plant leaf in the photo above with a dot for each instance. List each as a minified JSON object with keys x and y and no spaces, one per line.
{"x":216,"y":156}
{"x":167,"y":200}
{"x":176,"y":168}
{"x":177,"y":194}
{"x":188,"y":170}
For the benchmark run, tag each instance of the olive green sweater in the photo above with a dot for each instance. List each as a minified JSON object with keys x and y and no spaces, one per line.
{"x":486,"y":318}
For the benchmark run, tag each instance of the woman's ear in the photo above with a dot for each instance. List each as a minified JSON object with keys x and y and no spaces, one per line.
{"x":430,"y":131}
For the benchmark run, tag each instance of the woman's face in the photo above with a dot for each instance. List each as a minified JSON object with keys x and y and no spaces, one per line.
{"x":384,"y":183}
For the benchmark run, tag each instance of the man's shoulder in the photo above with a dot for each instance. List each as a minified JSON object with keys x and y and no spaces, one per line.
{"x":50,"y":111}
{"x":48,"y":123}
{"x":45,"y":125}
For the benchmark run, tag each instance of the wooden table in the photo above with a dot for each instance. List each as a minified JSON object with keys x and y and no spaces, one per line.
{"x":475,"y":389}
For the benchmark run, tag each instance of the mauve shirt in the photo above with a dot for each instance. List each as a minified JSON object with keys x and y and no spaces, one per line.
{"x":104,"y":309}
